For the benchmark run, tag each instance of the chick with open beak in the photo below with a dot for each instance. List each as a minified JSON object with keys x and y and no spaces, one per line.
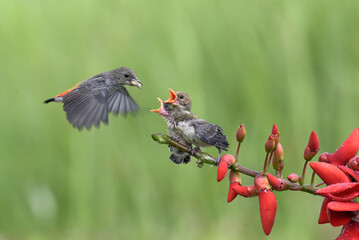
{"x":191,"y":129}
{"x":169,"y":112}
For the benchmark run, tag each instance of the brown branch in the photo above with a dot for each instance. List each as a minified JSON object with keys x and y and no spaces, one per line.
{"x":206,"y":158}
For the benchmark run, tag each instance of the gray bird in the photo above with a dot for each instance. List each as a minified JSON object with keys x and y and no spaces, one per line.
{"x":185,"y":102}
{"x":90,"y":101}
{"x":193,"y":130}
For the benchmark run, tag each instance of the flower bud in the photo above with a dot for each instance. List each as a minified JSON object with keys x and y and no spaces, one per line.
{"x":241,"y":133}
{"x":270,"y":144}
{"x":278,"y":156}
{"x":323,"y":157}
{"x":293,"y":178}
{"x":312,"y":148}
{"x":275,"y":133}
{"x":278,"y":184}
{"x":354,"y":163}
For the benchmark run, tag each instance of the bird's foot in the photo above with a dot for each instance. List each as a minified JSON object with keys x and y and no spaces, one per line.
{"x":193,"y":150}
{"x":219,"y":157}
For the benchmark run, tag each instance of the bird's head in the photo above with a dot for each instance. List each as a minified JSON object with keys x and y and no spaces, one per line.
{"x":181,"y":98}
{"x":172,"y":112}
{"x":127,"y":77}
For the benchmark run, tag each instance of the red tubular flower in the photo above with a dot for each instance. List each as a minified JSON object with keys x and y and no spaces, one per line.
{"x":346,"y":151}
{"x":312,"y":148}
{"x":340,"y":213}
{"x":267,"y":203}
{"x":329,"y":173}
{"x":226,"y":161}
{"x":241,"y":133}
{"x":340,"y":191}
{"x":323,"y":216}
{"x":275,"y":133}
{"x":231,"y":194}
{"x":244,"y":191}
{"x":234,"y":180}
{"x":350,"y":172}
{"x":277,"y":183}
{"x":349,"y":231}
{"x":222,"y":170}
{"x":268,"y":209}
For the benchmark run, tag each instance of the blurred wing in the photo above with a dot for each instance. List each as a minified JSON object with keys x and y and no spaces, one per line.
{"x":211,"y":134}
{"x":120,"y":101}
{"x":86,"y":105}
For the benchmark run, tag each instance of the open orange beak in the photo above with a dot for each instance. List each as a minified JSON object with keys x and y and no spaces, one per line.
{"x":173,"y":97}
{"x":161,"y":109}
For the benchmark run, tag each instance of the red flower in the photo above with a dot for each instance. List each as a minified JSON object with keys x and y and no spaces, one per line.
{"x":267,"y":203}
{"x":340,"y":213}
{"x":268,"y":209}
{"x":346,"y":151}
{"x":234,"y":179}
{"x":226,"y":161}
{"x":340,"y":191}
{"x":329,"y":173}
{"x":349,"y":231}
{"x":244,"y":191}
{"x":222,"y":170}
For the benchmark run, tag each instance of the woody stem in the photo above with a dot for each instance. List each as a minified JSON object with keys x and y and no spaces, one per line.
{"x":206,"y":158}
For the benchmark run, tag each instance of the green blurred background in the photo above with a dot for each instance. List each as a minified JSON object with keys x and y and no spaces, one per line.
{"x":293,"y":63}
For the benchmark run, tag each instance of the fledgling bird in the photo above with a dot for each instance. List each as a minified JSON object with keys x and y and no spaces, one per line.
{"x":193,"y":130}
{"x":90,"y":101}
{"x":185,"y":102}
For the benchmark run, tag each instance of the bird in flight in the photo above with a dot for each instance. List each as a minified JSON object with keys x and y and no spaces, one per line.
{"x":90,"y":101}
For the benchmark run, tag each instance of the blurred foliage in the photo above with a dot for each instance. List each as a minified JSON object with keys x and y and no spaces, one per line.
{"x":293,"y":63}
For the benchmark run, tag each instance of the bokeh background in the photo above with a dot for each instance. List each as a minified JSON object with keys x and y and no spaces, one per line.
{"x":293,"y":63}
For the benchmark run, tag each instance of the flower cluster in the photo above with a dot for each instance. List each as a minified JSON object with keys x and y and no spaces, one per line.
{"x":339,"y":171}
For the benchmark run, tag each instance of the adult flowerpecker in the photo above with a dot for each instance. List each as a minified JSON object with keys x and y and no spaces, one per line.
{"x":89,"y":102}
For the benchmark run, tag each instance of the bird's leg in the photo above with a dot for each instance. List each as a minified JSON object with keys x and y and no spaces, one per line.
{"x":194,"y":150}
{"x":219,"y":156}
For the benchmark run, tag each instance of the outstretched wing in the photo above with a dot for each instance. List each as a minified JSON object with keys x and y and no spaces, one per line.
{"x":87,"y":104}
{"x":211,"y":134}
{"x":120,"y":101}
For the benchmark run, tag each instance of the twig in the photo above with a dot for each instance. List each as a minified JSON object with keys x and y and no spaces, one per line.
{"x":206,"y":158}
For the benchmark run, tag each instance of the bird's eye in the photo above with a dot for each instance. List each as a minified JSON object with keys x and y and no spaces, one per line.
{"x":126,"y":75}
{"x":181,"y":97}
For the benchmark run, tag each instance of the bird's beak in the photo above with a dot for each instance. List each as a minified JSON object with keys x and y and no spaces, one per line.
{"x":137,"y":83}
{"x":173,"y":97}
{"x":161,"y":109}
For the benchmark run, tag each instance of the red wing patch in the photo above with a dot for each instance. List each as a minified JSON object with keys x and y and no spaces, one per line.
{"x":67,"y":91}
